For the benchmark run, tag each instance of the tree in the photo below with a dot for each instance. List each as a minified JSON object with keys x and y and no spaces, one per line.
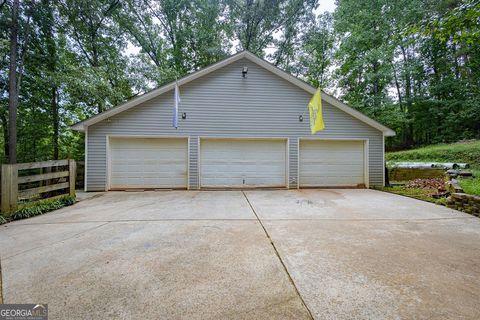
{"x":267,"y":24}
{"x":46,"y":44}
{"x":419,"y":80}
{"x":453,"y":20}
{"x":365,"y":53}
{"x":98,"y":44}
{"x":13,"y":86}
{"x":5,"y":13}
{"x":177,"y":36}
{"x":317,"y":52}
{"x":15,"y":73}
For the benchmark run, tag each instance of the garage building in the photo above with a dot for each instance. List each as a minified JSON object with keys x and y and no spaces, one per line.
{"x":235,"y":130}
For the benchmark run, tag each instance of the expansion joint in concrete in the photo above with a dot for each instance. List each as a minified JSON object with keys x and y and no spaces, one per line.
{"x":278,"y":256}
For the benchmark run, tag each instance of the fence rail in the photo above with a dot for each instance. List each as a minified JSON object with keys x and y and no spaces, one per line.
{"x":41,"y":180}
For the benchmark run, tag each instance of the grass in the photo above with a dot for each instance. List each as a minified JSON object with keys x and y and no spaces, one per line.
{"x":417,"y":193}
{"x":459,"y":152}
{"x":39,"y":207}
{"x":471,"y":185}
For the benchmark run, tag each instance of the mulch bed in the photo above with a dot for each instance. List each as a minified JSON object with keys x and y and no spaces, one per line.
{"x":434,"y":183}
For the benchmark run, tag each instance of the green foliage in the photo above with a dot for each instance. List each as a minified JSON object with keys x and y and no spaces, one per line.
{"x":317,"y":54}
{"x":423,"y":83}
{"x":262,"y":24}
{"x":3,"y":220}
{"x":462,"y":152}
{"x":460,"y":20}
{"x":365,"y":52}
{"x":175,"y":37}
{"x":42,"y":206}
{"x":471,"y":185}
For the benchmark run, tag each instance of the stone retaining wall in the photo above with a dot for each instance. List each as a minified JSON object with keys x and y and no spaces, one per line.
{"x":465,"y":202}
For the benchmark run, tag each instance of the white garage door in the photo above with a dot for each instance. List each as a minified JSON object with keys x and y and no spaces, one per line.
{"x":243,"y":163}
{"x":148,"y":163}
{"x":331,"y":163}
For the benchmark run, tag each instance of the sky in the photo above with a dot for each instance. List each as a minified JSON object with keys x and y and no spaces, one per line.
{"x":325,"y":5}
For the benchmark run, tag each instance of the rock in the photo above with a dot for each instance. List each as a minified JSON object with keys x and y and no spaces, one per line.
{"x":452,"y":173}
{"x":465,"y":202}
{"x":465,"y":174}
{"x":433,"y":183}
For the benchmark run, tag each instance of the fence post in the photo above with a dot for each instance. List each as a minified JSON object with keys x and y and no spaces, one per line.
{"x":72,"y":171}
{"x":9,"y":188}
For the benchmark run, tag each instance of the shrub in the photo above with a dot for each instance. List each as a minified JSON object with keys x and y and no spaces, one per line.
{"x":42,"y":206}
{"x":3,"y":220}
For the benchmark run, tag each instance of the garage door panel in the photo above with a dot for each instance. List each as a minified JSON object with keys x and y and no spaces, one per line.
{"x":332,"y":181}
{"x":148,"y":163}
{"x":243,"y":163}
{"x":312,"y":154}
{"x":322,"y":168}
{"x":320,"y":174}
{"x":331,"y":163}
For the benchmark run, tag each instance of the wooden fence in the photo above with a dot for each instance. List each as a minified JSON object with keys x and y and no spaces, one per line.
{"x":24,"y":182}
{"x":80,"y":179}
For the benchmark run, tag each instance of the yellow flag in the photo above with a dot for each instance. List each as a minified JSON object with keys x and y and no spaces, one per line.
{"x":316,"y":117}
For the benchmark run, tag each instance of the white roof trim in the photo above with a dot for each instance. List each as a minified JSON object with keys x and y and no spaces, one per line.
{"x":244,"y":54}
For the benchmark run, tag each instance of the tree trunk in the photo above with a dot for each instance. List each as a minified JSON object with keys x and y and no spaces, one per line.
{"x":13,"y":88}
{"x":51,"y":45}
{"x":55,"y":123}
{"x":3,"y":118}
{"x":100,"y":107}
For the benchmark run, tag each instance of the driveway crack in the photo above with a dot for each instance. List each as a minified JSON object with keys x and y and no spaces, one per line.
{"x":278,"y":256}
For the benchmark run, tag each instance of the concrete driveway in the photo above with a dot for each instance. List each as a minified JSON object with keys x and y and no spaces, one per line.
{"x":286,"y":254}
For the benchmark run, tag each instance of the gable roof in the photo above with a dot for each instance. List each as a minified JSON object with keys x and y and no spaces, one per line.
{"x":80,"y":126}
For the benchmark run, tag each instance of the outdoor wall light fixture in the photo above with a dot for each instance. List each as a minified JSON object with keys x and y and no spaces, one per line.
{"x":300,"y":118}
{"x":244,"y":72}
{"x":184,"y":115}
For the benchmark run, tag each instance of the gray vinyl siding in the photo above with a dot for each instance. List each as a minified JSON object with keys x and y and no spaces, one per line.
{"x":223,"y":104}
